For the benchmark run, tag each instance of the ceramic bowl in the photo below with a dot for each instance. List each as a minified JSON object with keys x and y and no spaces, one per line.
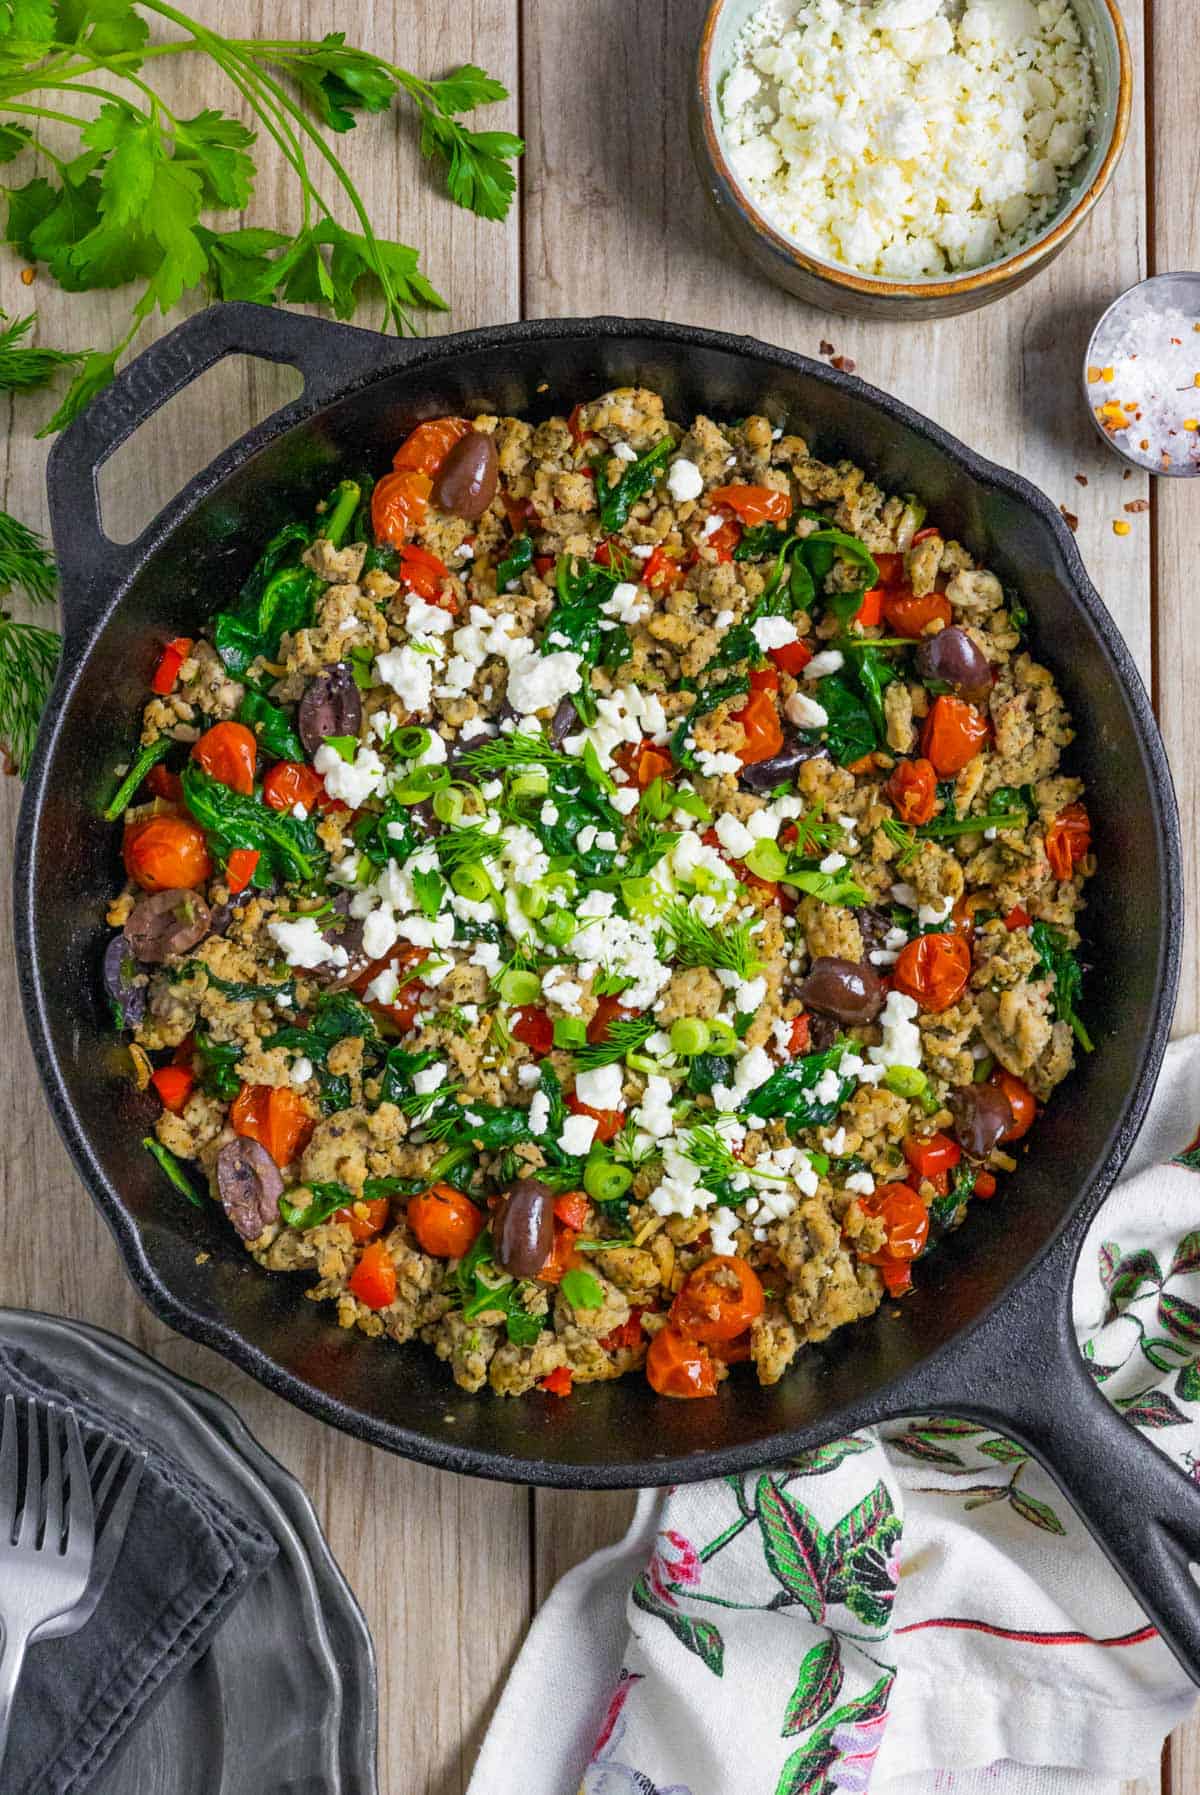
{"x":833,"y":287}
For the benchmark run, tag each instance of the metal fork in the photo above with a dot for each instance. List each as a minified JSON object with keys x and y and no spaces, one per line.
{"x":47,"y":1533}
{"x":113,"y":1466}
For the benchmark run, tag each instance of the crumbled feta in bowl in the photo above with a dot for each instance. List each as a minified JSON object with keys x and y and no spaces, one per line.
{"x":884,"y":150}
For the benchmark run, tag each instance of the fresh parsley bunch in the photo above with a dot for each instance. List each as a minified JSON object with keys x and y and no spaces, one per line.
{"x":135,"y":195}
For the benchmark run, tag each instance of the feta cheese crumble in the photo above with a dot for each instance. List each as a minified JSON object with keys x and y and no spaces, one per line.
{"x":909,"y":138}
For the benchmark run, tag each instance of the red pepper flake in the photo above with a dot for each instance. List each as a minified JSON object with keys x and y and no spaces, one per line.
{"x":1138,"y":505}
{"x":1069,"y":517}
{"x":1081,"y":479}
{"x":844,"y":364}
{"x":827,"y":348}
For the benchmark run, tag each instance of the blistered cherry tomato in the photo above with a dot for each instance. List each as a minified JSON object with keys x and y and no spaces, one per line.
{"x":445,"y":1221}
{"x":609,"y":1122}
{"x":366,"y":1218}
{"x":398,"y":505}
{"x":373,"y":1280}
{"x":753,"y":504}
{"x":909,"y":615}
{"x":425,"y":448}
{"x":1021,"y":1101}
{"x":913,"y":790}
{"x":953,"y":734}
{"x":426,"y":575}
{"x":275,"y":1116}
{"x":1068,"y":839}
{"x":904,"y":1217}
{"x":933,"y":969}
{"x":719,"y":1300}
{"x":166,"y":853}
{"x":676,"y":1366}
{"x":289,"y":783}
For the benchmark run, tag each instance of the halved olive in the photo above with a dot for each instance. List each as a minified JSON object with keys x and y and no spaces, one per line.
{"x":250,"y":1186}
{"x":331,"y":705}
{"x":523,"y":1228}
{"x":981,"y":1114}
{"x":954,"y":659}
{"x":166,"y":922}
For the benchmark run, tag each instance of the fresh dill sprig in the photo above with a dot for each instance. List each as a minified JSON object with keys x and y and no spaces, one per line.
{"x":417,"y":1105}
{"x":501,"y":1034}
{"x":901,"y":838}
{"x":626,"y":1035}
{"x":461,"y":847}
{"x":696,"y":943}
{"x":707,"y":1147}
{"x":611,"y":984}
{"x":625,"y":1147}
{"x":816,"y":834}
{"x":28,"y":658}
{"x":515,"y":750}
{"x":25,"y":562}
{"x":23,"y":367}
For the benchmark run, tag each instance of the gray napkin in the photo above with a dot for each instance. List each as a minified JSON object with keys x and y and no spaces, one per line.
{"x":187,"y":1559}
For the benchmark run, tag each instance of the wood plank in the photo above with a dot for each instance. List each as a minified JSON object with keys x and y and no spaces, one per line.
{"x":440,"y":1564}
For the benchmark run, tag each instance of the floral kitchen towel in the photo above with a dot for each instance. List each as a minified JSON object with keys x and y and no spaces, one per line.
{"x":914,"y":1611}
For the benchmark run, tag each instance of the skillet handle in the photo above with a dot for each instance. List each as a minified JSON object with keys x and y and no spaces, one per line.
{"x":328,"y":355}
{"x":1021,"y":1372}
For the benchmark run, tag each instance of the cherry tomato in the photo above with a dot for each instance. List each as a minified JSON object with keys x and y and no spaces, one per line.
{"x":609,"y":1121}
{"x":516,"y":511}
{"x":572,"y":1210}
{"x":174,"y":1085}
{"x":953,"y":734}
{"x":561,"y":1256}
{"x":662,"y":572}
{"x":764,"y":679}
{"x":985,"y":1185}
{"x":445,"y":1221}
{"x":274,"y":1116}
{"x":934,"y":969}
{"x":228,"y":752}
{"x":753,"y":504}
{"x":534,"y":1029}
{"x":676,"y":1366}
{"x":644,"y":762}
{"x":289,"y":783}
{"x":891,"y":569}
{"x":376,"y":1212}
{"x":792,"y":657}
{"x":719,"y":1300}
{"x":932,"y":1153}
{"x":398,"y":504}
{"x":165,"y":785}
{"x":904,"y":1217}
{"x":575,"y":425}
{"x":373,"y":1280}
{"x":913,"y":790}
{"x":558,"y":1382}
{"x":1021,"y":1101}
{"x":870,"y":612}
{"x":962,"y":917}
{"x":759,"y":718}
{"x":897,"y":1276}
{"x":1068,"y":839}
{"x":628,"y":1336}
{"x":166,"y":853}
{"x":240,"y":869}
{"x":424,"y":574}
{"x":798,"y":1040}
{"x":166,"y":670}
{"x":909,"y":615}
{"x":543,"y":565}
{"x":1017,"y":918}
{"x":724,"y":540}
{"x":402,"y":1011}
{"x":607,"y":1011}
{"x":425,"y":448}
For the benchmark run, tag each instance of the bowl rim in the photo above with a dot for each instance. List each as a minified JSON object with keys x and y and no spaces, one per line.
{"x":873,"y":286}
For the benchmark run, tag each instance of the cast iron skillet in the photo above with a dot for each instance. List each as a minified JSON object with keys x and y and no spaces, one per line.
{"x":989,"y":1332}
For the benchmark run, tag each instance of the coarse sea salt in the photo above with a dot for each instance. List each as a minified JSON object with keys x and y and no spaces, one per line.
{"x":909,"y":138}
{"x":1144,"y":383}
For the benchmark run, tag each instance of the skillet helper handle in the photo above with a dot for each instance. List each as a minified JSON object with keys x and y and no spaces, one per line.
{"x":1022,"y":1373}
{"x":329,"y":356}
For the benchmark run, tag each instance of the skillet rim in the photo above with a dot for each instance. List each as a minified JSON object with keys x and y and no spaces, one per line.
{"x":391,"y":359}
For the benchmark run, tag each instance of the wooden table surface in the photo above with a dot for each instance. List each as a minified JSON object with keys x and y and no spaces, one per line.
{"x":610,"y":218}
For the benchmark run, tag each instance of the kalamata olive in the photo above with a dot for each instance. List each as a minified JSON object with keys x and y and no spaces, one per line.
{"x":765,"y":775}
{"x":466,"y":480}
{"x":874,"y":925}
{"x":125,"y":982}
{"x":849,"y":990}
{"x":250,"y":1186}
{"x":523,"y":1228}
{"x":165,"y":923}
{"x":331,"y":705}
{"x":347,"y":933}
{"x":981,"y":1114}
{"x":564,"y":722}
{"x":823,"y":1031}
{"x":953,"y":658}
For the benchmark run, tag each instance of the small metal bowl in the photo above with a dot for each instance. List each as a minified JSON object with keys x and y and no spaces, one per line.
{"x":1149,"y":300}
{"x":832,"y":287}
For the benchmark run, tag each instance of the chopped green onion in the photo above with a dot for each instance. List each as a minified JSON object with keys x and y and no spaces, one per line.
{"x":767,"y":860}
{"x":471,"y":881}
{"x":690,"y":1035}
{"x":529,"y":785}
{"x":410,"y":741}
{"x":906,"y":1081}
{"x":722,"y":1036}
{"x":569,"y":1031}
{"x":535,"y":899}
{"x":642,"y":1062}
{"x":421,"y":783}
{"x":449,"y":806}
{"x":707,"y":882}
{"x":517,"y":986}
{"x":558,"y":927}
{"x":605,"y":1180}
